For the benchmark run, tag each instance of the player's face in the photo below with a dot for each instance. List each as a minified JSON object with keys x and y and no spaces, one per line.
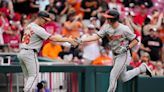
{"x":43,"y":21}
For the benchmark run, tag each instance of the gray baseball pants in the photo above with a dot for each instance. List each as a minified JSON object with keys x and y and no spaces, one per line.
{"x":30,"y":67}
{"x":119,"y":71}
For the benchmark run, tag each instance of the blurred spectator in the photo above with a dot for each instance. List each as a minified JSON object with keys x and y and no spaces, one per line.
{"x":140,"y":15}
{"x":51,"y":50}
{"x":145,"y":58}
{"x":26,"y":6}
{"x":161,"y":31}
{"x":103,"y":5}
{"x":136,"y":28}
{"x":59,"y":8}
{"x":129,"y":3}
{"x":12,"y":36}
{"x":51,"y":27}
{"x":66,"y":53}
{"x":2,"y":24}
{"x":135,"y":60}
{"x":159,"y":71}
{"x":153,"y":45}
{"x":42,"y":87}
{"x":153,"y":21}
{"x":112,"y":4}
{"x":51,"y":7}
{"x":147,"y":3}
{"x":43,"y":4}
{"x":103,"y":59}
{"x":34,"y":6}
{"x":90,"y":49}
{"x":89,"y":7}
{"x":76,"y":4}
{"x":5,"y":8}
{"x":133,"y":3}
{"x":95,"y":22}
{"x":72,"y":26}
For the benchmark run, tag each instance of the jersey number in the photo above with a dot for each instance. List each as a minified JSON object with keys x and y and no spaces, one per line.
{"x":26,"y":38}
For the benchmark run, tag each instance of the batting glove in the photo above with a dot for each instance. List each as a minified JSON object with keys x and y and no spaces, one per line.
{"x":123,"y":50}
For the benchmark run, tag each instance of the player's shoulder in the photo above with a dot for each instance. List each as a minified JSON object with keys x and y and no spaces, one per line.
{"x":36,"y":27}
{"x":124,"y":27}
{"x":105,"y":27}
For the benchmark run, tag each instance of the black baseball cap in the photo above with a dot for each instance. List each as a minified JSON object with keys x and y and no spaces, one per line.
{"x":111,"y":14}
{"x":45,"y":15}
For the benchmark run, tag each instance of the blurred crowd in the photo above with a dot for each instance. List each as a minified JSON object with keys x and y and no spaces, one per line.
{"x":81,"y":18}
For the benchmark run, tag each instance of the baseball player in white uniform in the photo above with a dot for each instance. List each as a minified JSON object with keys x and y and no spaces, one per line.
{"x":32,"y":41}
{"x":121,"y":39}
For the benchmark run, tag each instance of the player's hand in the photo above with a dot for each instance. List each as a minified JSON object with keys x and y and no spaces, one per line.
{"x":122,"y":50}
{"x":79,"y":41}
{"x":72,"y":41}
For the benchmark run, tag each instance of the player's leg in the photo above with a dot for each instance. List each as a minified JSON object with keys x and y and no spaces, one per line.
{"x":32,"y":66}
{"x":119,"y":64}
{"x":127,"y":75}
{"x":23,"y":67}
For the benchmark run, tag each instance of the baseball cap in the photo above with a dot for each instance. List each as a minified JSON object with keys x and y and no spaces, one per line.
{"x":111,"y":14}
{"x":93,"y":18}
{"x":91,"y":26}
{"x":44,"y":15}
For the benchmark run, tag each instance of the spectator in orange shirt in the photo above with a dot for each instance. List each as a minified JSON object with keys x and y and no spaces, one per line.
{"x":72,"y":26}
{"x":76,"y":4}
{"x":103,"y":59}
{"x":51,"y":50}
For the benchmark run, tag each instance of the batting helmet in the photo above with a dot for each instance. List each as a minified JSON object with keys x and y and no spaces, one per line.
{"x":45,"y":15}
{"x":113,"y":15}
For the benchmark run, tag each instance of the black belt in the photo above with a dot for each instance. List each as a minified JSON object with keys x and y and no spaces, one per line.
{"x":118,"y":53}
{"x":30,"y":49}
{"x":115,"y":54}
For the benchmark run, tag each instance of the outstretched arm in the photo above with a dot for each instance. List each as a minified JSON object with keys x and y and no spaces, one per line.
{"x":93,"y":37}
{"x":58,"y":38}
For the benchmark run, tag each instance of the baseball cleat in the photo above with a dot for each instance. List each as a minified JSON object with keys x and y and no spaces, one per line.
{"x":148,"y":71}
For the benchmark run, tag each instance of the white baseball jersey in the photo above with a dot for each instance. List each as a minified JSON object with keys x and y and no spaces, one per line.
{"x":33,"y":37}
{"x":117,"y":37}
{"x":121,"y":36}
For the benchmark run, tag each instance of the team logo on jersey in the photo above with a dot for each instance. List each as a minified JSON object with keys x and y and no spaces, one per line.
{"x":115,"y":37}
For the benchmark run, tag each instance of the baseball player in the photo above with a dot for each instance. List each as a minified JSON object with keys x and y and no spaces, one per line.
{"x":121,"y":39}
{"x":32,"y":41}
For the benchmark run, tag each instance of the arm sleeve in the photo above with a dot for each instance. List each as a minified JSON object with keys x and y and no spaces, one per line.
{"x":103,"y":30}
{"x":42,"y":33}
{"x":101,"y":33}
{"x":129,"y":34}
